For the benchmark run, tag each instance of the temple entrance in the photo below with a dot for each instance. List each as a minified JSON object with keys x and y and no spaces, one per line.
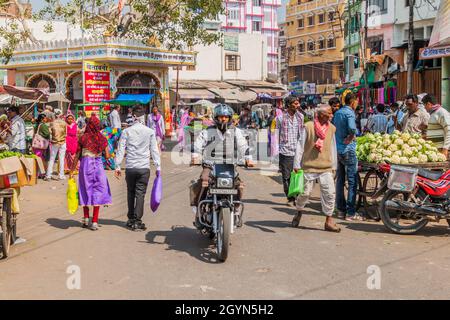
{"x":136,"y":82}
{"x":42,"y":81}
{"x":74,"y":88}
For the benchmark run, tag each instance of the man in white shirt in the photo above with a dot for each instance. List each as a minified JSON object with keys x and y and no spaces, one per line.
{"x":17,"y":138}
{"x":114,"y":118}
{"x":139,"y":142}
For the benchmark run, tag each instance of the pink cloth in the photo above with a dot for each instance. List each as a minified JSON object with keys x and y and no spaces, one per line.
{"x":321,"y":132}
{"x":381,"y":95}
{"x":72,"y":138}
{"x":183,"y":122}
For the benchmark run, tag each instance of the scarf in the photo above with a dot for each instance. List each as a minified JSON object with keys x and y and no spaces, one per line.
{"x":93,"y":139}
{"x":285,"y":124}
{"x":435,"y":108}
{"x":157,"y":126}
{"x":321,"y":132}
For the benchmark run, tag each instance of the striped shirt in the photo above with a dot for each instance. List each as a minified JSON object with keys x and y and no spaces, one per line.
{"x":289,"y":137}
{"x":377,"y":123}
{"x":439,"y":128}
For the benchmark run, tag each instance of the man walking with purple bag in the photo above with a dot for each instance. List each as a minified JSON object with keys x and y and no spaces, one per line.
{"x":139,"y":142}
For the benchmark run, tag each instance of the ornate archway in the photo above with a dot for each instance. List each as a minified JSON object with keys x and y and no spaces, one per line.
{"x":136,"y":82}
{"x":42,"y":81}
{"x":74,"y":87}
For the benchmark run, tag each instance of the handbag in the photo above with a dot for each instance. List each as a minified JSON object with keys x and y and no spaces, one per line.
{"x":297,"y":184}
{"x":39,"y":142}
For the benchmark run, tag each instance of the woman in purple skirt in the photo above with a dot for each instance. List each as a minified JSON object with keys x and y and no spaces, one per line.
{"x":93,"y":186}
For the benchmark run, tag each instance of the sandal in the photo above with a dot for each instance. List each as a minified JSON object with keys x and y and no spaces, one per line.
{"x":334,"y":228}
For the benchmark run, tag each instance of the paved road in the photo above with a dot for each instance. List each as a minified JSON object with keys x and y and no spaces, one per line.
{"x":268,"y":259}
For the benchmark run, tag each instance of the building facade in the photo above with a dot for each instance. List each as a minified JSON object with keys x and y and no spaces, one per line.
{"x":241,"y":57}
{"x":353,"y":20}
{"x":283,"y":55}
{"x":315,"y":42}
{"x":255,"y":17}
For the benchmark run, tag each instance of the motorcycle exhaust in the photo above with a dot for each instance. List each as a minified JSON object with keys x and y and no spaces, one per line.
{"x":412,"y":207}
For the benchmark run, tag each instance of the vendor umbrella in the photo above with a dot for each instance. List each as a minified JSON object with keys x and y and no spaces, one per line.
{"x":28,"y":93}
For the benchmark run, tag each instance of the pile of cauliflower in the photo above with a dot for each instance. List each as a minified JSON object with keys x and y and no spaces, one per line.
{"x":397,"y":148}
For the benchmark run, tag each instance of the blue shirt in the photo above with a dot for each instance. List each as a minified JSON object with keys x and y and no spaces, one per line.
{"x":345,"y":122}
{"x":391,"y":126}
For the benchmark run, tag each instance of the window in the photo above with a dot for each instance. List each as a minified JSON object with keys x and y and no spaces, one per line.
{"x":300,"y":47}
{"x":256,"y":25}
{"x":321,"y":18}
{"x":378,"y":6}
{"x":321,"y":43}
{"x":300,"y":23}
{"x":257,"y":3}
{"x":233,"y":14}
{"x":190,"y":68}
{"x":331,"y":42}
{"x":310,"y":45}
{"x":331,"y":17}
{"x":311,"y":20}
{"x":232,"y":62}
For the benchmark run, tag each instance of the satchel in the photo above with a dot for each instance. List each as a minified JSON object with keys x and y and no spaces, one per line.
{"x":39,"y":142}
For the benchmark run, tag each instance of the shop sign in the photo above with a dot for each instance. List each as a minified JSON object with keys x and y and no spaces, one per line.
{"x":434,"y":53}
{"x":97,"y":84}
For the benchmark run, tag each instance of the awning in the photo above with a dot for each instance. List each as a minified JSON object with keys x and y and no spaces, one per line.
{"x":235,"y":95}
{"x":27,"y":93}
{"x":270,"y":93}
{"x":131,"y":99}
{"x":195,"y":94}
{"x":9,"y":99}
{"x":58,"y":97}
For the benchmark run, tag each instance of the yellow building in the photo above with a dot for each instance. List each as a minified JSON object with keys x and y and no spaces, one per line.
{"x":315,"y":42}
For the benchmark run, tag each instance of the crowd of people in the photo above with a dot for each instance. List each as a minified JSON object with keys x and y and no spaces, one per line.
{"x":320,"y":140}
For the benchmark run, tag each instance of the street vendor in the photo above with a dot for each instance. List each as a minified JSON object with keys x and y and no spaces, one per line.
{"x":416,"y":119}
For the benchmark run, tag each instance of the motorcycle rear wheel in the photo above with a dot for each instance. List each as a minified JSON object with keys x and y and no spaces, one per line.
{"x":391,"y":218}
{"x":223,"y":234}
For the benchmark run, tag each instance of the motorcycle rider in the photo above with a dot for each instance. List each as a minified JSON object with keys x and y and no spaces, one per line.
{"x":218,"y":144}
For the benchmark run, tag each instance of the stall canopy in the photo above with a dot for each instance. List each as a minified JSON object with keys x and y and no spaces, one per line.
{"x":195,"y":94}
{"x":27,"y":93}
{"x":131,"y":99}
{"x":235,"y":95}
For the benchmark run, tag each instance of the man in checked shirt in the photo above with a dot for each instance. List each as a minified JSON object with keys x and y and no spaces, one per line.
{"x":289,"y":125}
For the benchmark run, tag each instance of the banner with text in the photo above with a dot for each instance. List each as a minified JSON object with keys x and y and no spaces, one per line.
{"x":97,"y":82}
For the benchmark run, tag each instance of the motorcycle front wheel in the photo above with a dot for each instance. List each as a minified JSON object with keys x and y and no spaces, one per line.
{"x":223,"y":234}
{"x":399,"y":221}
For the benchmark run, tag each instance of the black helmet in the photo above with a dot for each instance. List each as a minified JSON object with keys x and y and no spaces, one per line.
{"x":223,"y":110}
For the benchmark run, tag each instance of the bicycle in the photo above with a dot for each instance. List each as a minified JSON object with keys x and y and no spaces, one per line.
{"x":8,"y":221}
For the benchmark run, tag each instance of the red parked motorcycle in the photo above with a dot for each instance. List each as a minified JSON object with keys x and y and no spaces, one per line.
{"x":415,"y":197}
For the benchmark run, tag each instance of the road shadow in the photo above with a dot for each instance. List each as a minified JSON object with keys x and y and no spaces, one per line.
{"x":373,"y":227}
{"x":63,"y":224}
{"x":292,"y":210}
{"x":266,"y":202}
{"x":187,"y":240}
{"x":267,"y":224}
{"x":277,"y":179}
{"x":278,"y":195}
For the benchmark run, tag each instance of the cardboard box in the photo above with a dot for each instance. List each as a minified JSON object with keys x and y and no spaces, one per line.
{"x":30,"y":165}
{"x":13,"y":174}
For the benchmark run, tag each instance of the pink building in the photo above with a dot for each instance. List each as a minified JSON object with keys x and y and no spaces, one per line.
{"x":255,"y":16}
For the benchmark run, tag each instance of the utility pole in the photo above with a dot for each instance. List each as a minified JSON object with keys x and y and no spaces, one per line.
{"x":366,"y":56}
{"x":410,"y":73}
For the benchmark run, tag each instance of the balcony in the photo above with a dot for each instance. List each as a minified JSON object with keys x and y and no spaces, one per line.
{"x":310,"y":6}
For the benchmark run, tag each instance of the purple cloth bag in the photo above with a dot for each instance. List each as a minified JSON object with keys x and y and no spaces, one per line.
{"x":156,"y":192}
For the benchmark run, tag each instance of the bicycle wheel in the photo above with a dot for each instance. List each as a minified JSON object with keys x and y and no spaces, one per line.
{"x":370,"y":186}
{"x":6,"y":227}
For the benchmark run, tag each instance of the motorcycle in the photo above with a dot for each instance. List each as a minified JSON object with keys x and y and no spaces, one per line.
{"x":216,"y":215}
{"x":406,"y":211}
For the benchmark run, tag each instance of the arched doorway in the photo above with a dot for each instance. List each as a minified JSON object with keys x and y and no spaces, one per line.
{"x":74,"y":87}
{"x":136,"y":82}
{"x":42,"y":81}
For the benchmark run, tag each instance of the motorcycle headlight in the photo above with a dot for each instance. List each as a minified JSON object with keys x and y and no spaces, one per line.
{"x":225,"y":183}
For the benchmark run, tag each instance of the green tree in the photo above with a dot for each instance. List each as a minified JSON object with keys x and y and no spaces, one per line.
{"x":174,"y":24}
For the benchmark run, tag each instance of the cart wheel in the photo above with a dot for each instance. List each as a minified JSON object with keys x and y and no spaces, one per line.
{"x":6,"y":227}
{"x":370,"y":185}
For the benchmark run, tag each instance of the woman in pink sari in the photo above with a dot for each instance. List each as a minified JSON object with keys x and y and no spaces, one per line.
{"x":71,"y":141}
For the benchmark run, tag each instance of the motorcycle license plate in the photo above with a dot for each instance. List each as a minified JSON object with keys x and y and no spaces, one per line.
{"x":223,"y":191}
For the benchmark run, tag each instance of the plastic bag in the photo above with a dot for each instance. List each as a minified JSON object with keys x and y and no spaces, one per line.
{"x":72,"y":196}
{"x":297,"y":184}
{"x":15,"y":208}
{"x":156,"y":192}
